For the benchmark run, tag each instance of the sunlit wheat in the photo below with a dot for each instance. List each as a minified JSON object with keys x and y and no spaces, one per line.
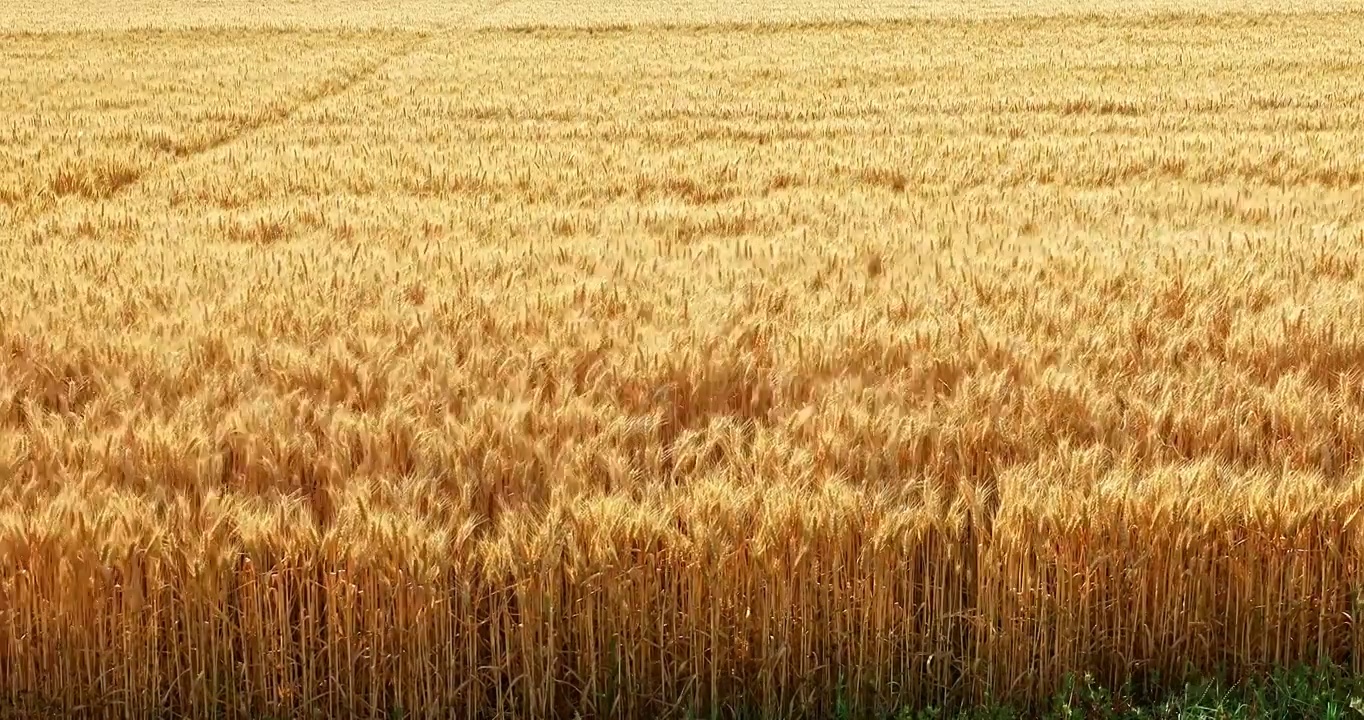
{"x":474,"y":361}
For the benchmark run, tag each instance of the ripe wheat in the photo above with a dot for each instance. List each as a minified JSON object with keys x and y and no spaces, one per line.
{"x":477,"y":366}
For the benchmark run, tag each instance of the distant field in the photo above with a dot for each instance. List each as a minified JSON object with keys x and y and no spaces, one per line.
{"x":102,"y":15}
{"x":504,"y":359}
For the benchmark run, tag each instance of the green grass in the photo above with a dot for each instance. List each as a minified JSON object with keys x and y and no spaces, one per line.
{"x":1304,"y":693}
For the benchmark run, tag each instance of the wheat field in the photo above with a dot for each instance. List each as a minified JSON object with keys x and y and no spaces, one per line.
{"x":541,"y":359}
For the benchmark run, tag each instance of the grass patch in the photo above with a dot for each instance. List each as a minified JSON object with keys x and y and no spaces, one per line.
{"x":1330,"y":693}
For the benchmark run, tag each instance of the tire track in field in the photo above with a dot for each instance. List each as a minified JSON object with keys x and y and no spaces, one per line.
{"x":278,"y":114}
{"x":326,"y":90}
{"x":168,"y":160}
{"x":281,"y":113}
{"x":338,"y":86}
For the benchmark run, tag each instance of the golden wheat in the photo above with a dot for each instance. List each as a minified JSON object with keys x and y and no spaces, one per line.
{"x":500,"y":360}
